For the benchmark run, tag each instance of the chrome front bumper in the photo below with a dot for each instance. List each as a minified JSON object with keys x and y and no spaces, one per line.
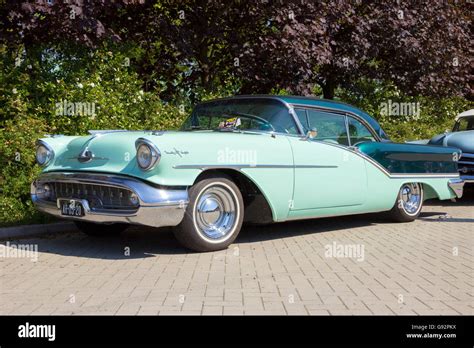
{"x":157,"y":206}
{"x":467,"y":178}
{"x":457,"y":186}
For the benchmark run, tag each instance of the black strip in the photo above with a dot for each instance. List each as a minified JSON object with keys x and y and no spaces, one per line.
{"x":260,"y":330}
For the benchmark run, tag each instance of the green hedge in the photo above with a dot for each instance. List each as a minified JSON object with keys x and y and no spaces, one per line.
{"x":29,"y":97}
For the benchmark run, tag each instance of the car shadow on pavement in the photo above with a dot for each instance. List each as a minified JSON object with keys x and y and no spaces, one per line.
{"x":259,"y":233}
{"x":142,"y":242}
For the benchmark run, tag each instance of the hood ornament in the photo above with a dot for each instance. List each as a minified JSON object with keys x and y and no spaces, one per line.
{"x":85,"y":156}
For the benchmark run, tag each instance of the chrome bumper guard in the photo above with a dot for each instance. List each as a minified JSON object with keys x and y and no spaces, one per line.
{"x":457,"y":186}
{"x":157,"y":207}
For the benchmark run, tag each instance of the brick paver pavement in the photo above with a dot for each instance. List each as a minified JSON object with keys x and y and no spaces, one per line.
{"x":351,"y":265}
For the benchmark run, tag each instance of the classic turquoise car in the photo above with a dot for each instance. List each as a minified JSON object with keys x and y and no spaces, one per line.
{"x":462,"y":137}
{"x":256,"y":159}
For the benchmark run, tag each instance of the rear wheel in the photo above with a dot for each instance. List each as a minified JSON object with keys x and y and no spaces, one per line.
{"x":214,"y":216}
{"x":409,"y":203}
{"x":100,"y":230}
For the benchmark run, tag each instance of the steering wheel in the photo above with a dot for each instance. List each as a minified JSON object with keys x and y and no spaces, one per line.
{"x":360,"y":142}
{"x":252,"y":117}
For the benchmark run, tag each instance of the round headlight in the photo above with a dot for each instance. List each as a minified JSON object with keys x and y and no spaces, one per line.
{"x":147,"y":155}
{"x":43,"y":155}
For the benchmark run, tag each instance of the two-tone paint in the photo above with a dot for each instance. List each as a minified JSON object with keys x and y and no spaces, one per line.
{"x":298,"y":177}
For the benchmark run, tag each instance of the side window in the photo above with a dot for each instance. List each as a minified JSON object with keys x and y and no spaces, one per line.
{"x":329,"y":127}
{"x":358,"y":132}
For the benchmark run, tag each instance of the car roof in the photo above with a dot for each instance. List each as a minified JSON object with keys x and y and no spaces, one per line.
{"x":310,"y":101}
{"x":465,"y":114}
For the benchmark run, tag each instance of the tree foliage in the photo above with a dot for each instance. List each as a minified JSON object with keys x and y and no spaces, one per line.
{"x":421,"y":46}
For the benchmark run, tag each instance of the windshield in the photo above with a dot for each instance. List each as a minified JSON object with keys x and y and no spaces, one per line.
{"x":254,"y":114}
{"x":464,"y":124}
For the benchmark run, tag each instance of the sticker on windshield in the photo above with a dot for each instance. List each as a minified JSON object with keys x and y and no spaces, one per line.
{"x":230,"y":123}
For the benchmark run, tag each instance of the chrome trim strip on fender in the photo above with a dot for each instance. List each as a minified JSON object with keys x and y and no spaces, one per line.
{"x":240,"y":166}
{"x":427,"y":176}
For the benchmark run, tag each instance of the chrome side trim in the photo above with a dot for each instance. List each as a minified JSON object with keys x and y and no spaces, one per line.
{"x":105,"y":131}
{"x":240,"y":166}
{"x":157,"y":206}
{"x":280,"y":166}
{"x":468,"y":155}
{"x":457,"y":186}
{"x":427,"y":176}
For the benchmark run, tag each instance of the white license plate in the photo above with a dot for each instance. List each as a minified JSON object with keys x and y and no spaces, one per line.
{"x":71,"y":207}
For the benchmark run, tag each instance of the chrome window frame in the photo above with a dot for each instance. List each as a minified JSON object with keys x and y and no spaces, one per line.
{"x":344,"y":113}
{"x":346,"y":119}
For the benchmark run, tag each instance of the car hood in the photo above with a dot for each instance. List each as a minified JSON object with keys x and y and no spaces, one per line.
{"x":115,"y":152}
{"x":462,"y":140}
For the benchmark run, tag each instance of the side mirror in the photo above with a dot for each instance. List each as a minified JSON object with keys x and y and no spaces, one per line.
{"x":311,"y":134}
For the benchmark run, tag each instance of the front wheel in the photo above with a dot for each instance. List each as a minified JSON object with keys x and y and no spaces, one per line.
{"x":409,"y":203}
{"x":214,"y":216}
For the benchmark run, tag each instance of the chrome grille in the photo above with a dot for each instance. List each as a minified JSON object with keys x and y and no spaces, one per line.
{"x":99,"y":197}
{"x":466,"y":163}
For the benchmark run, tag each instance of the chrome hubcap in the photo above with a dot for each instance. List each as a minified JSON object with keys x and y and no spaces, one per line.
{"x":216,"y":212}
{"x":410,"y":196}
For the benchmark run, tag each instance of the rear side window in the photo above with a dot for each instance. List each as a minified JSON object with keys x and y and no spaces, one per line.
{"x":358,"y":132}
